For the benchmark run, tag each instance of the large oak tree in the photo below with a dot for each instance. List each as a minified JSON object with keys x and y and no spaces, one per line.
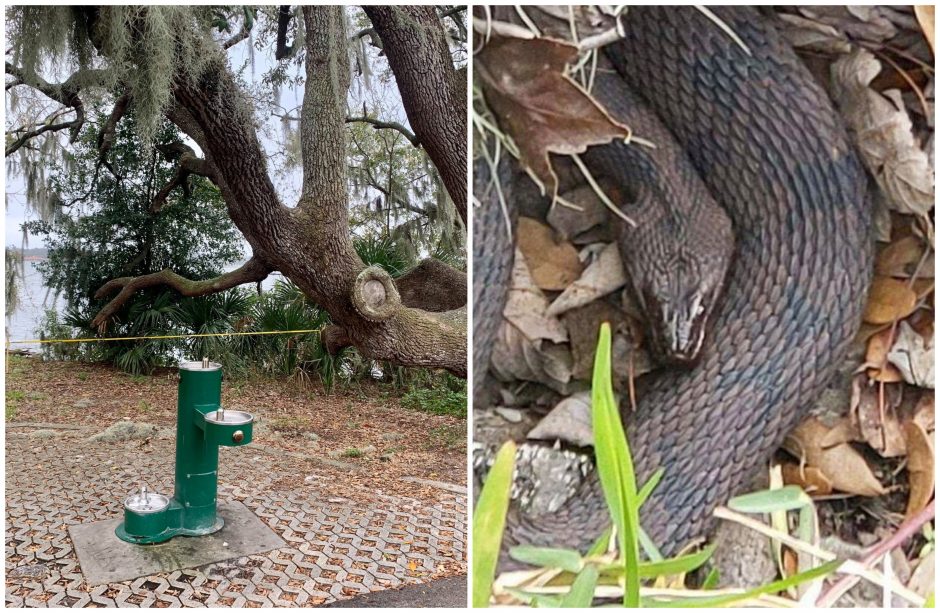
{"x":169,"y":61}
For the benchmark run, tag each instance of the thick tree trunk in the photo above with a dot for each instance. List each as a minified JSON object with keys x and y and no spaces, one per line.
{"x":433,"y":92}
{"x":311,"y":243}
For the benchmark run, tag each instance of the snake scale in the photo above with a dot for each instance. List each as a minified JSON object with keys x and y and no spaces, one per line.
{"x":768,"y":145}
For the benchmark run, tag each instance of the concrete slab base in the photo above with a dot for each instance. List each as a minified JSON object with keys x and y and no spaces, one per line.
{"x":104,"y":558}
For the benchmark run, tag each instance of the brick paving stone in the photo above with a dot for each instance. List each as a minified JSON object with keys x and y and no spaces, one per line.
{"x":335,"y":549}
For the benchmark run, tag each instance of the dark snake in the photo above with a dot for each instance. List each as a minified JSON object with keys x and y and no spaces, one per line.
{"x":768,"y":145}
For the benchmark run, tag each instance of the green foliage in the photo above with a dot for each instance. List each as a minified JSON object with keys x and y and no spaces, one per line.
{"x":383,"y":252}
{"x":615,"y":468}
{"x":489,"y":519}
{"x":396,"y":192}
{"x":107,"y":230}
{"x":448,"y":397}
{"x":583,"y":573}
{"x":13,"y":398}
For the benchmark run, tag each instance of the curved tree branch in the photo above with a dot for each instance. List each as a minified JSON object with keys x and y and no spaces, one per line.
{"x":391,"y":125}
{"x":66,"y":94}
{"x":189,"y":164}
{"x":251,"y":271}
{"x":433,"y":93}
{"x":30,"y":134}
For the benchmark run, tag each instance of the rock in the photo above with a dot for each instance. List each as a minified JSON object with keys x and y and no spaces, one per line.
{"x":513,"y":416}
{"x":125,"y":431}
{"x":312,"y":436}
{"x":392,"y":436}
{"x":742,"y":556}
{"x":32,"y":571}
{"x":367,"y":449}
{"x":83,"y":403}
{"x":43,"y":434}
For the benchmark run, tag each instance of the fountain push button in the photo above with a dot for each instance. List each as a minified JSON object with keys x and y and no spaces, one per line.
{"x":229,"y":428}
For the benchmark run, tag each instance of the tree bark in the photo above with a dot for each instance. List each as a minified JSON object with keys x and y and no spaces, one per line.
{"x":252,"y":270}
{"x":311,"y":243}
{"x":434,"y":94}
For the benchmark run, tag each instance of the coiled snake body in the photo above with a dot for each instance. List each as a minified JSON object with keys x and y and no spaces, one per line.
{"x":768,"y":145}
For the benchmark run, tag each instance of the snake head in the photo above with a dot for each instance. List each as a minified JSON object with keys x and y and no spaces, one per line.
{"x":679,"y":300}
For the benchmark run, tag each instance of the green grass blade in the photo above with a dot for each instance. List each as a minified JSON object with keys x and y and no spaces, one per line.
{"x":729,"y":599}
{"x":548,"y":557}
{"x":678,"y":565}
{"x":649,"y":547}
{"x":788,"y":498}
{"x":711,"y":580}
{"x":581,"y":594}
{"x":649,"y":486}
{"x":929,"y":603}
{"x":542,"y":601}
{"x":672,"y":566}
{"x":489,"y":519}
{"x":602,"y":543}
{"x":615,"y":467}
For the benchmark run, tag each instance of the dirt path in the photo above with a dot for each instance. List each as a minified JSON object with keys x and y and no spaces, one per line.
{"x":358,"y":440}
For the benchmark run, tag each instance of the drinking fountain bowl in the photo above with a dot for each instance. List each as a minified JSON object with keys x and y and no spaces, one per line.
{"x":144,"y":513}
{"x":229,"y":428}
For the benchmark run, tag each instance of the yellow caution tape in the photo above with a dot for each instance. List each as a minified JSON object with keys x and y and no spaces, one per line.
{"x":166,"y":336}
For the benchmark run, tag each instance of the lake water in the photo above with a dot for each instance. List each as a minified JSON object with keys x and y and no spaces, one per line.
{"x":35,"y":298}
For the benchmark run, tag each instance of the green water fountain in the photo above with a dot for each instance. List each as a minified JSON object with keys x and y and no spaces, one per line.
{"x":202,"y":426}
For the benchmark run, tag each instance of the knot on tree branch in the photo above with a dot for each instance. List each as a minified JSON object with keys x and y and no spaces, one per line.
{"x":334,"y":339}
{"x":375,"y":295}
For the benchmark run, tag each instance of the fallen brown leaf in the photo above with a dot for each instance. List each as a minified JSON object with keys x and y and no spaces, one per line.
{"x":889,"y":299}
{"x":925,"y":17}
{"x":920,"y":467}
{"x":912,"y":354}
{"x":843,"y":431}
{"x":553,"y":264}
{"x":842,"y":465}
{"x":810,"y":478}
{"x":538,"y":105}
{"x":879,"y":425}
{"x":526,"y":306}
{"x":603,"y":276}
{"x":876,"y":357}
{"x":924,"y":411}
{"x":886,"y":141}
{"x":899,"y":258}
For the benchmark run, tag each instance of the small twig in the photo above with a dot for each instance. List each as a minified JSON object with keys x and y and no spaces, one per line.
{"x":597,"y":41}
{"x":917,"y":91}
{"x":704,"y":10}
{"x":854,"y":569}
{"x":527,"y":20}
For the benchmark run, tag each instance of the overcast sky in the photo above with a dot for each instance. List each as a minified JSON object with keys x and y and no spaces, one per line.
{"x":288,"y":186}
